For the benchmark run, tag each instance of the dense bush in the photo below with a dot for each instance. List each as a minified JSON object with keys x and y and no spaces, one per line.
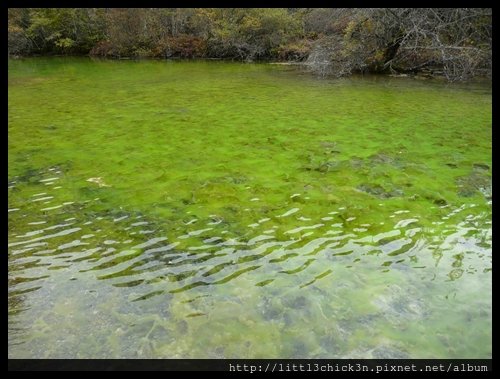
{"x":184,"y":46}
{"x":103,"y":49}
{"x":294,"y":51}
{"x":18,"y":41}
{"x":402,"y":40}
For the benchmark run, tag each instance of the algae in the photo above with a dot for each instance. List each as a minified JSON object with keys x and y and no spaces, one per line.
{"x":227,"y":210}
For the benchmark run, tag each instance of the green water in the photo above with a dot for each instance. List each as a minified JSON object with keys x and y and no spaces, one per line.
{"x":223,"y":210}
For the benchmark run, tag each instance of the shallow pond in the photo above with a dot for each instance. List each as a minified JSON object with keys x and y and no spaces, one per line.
{"x":224,"y":210}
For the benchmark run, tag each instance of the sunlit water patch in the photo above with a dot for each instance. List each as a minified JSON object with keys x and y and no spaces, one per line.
{"x":171,"y":220}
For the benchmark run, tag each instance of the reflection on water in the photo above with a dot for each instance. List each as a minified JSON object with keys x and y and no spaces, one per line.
{"x":317,"y":288}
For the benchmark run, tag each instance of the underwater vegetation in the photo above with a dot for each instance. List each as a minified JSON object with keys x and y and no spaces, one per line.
{"x":228,"y":210}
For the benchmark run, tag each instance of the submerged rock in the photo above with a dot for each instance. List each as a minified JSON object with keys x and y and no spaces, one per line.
{"x":379,"y":191}
{"x":356,"y":162}
{"x":323,"y":167}
{"x":218,"y":353}
{"x":382,"y":351}
{"x":397,"y":305}
{"x":299,"y":350}
{"x":440,"y":202}
{"x":28,"y":176}
{"x":272,"y":309}
{"x":327,"y":166}
{"x":388,"y":352}
{"x":296,"y":303}
{"x":476,"y":181}
{"x":480,"y":166}
{"x":381,"y":159}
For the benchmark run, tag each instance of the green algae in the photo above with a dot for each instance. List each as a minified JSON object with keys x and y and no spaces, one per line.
{"x":224,"y":210}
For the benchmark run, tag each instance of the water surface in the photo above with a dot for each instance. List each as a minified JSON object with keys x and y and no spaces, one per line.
{"x":224,"y":210}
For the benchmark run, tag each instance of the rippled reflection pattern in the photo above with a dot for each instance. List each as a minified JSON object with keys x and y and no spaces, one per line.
{"x":128,"y":250}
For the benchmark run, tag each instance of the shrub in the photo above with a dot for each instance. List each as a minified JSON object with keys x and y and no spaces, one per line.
{"x":184,"y":46}
{"x":103,"y":49}
{"x":294,"y":51}
{"x":18,"y":42}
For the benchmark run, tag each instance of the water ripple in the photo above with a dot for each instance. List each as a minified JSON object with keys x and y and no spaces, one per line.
{"x":200,"y":257}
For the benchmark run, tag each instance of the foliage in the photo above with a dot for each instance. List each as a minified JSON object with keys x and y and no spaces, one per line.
{"x":51,"y":30}
{"x":333,"y":41}
{"x":248,"y":33}
{"x":184,"y":46}
{"x":455,"y":40}
{"x":294,"y":51}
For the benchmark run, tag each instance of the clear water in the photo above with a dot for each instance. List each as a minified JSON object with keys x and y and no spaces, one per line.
{"x":224,"y":210}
